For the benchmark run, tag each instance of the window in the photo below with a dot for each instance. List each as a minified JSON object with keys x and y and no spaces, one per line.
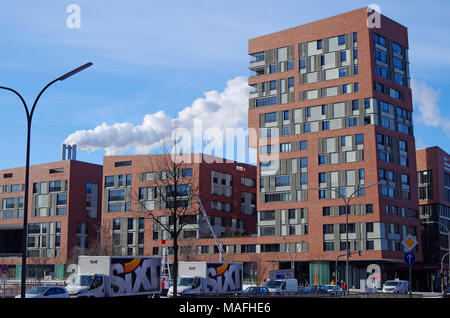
{"x":328,"y":228}
{"x":379,"y":39}
{"x":353,"y":121}
{"x":342,"y":72}
{"x":398,"y":63}
{"x":285,"y":147}
{"x":303,"y":178}
{"x":355,"y":105}
{"x":328,"y":246}
{"x":116,"y":195}
{"x":290,"y":65}
{"x":109,"y":181}
{"x":360,"y":139}
{"x":267,"y":215}
{"x":272,"y":68}
{"x":402,"y":145}
{"x":326,"y":211}
{"x":273,"y":85}
{"x":266,"y":101}
{"x":122,"y":163}
{"x":303,"y":162}
{"x":307,"y":127}
{"x":290,"y":82}
{"x":322,"y":160}
{"x":381,"y":56}
{"x":281,"y":181}
{"x":286,"y":130}
{"x":303,"y":144}
{"x":278,"y":197}
{"x":397,"y":48}
{"x":270,"y":117}
{"x":302,"y":64}
{"x":186,"y":172}
{"x":54,"y":186}
{"x":343,"y":56}
{"x":286,"y":115}
{"x":319,"y":44}
{"x":381,"y":71}
{"x":324,"y":109}
{"x":322,"y":177}
{"x":61,"y":199}
{"x":325,"y":125}
{"x":341,"y":39}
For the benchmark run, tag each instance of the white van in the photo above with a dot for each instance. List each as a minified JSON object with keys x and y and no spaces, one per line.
{"x":280,"y":286}
{"x":396,"y":286}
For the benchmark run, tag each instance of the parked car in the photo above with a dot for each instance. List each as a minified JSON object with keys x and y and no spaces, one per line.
{"x":46,"y":292}
{"x":334,"y":290}
{"x":396,"y":286}
{"x":446,"y":292}
{"x":303,"y":290}
{"x":317,"y":289}
{"x":255,"y":291}
{"x":281,"y":286}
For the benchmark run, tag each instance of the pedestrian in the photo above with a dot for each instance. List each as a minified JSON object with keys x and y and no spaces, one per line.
{"x":333,"y":282}
{"x":343,"y":286}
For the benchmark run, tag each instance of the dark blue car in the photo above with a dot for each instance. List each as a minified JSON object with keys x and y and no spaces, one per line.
{"x":255,"y":291}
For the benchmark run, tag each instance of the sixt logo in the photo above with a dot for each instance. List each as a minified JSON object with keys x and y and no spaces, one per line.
{"x":136,"y":276}
{"x":225,"y":278}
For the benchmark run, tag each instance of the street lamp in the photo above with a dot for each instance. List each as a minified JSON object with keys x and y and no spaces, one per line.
{"x":29,"y":115}
{"x":442,"y":271}
{"x":448,"y":237}
{"x":347,"y":212}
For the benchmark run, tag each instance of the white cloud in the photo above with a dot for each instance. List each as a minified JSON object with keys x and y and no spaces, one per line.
{"x":216,"y":110}
{"x":426,"y":101}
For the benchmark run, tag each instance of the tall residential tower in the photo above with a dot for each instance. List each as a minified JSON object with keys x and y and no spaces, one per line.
{"x":331,"y":102}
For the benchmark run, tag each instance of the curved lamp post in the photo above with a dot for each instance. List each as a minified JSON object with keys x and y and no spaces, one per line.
{"x":29,"y":114}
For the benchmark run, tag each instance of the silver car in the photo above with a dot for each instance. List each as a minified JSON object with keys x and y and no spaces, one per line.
{"x":46,"y":292}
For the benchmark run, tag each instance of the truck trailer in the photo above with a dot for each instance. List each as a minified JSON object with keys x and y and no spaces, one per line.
{"x":113,"y":276}
{"x":207,"y":278}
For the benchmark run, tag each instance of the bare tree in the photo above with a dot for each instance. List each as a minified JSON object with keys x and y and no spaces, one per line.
{"x":172,"y":197}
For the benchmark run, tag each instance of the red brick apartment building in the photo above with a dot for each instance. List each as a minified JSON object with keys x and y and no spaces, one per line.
{"x":63,"y":215}
{"x":133,"y":187}
{"x":433,"y":176}
{"x":336,"y":95}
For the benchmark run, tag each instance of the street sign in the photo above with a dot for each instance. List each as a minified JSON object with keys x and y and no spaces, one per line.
{"x":409,"y":258}
{"x":5,"y":269}
{"x":410,"y":242}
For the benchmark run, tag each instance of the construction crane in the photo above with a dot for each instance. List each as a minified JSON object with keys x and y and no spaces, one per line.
{"x":219,"y":245}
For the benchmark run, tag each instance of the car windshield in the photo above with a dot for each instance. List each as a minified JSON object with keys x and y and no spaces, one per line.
{"x":36,"y":290}
{"x":392,"y":283}
{"x":272,"y":283}
{"x":82,"y":280}
{"x":185,"y":281}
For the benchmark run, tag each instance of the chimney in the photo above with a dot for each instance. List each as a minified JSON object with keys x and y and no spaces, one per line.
{"x":68,"y":152}
{"x":63,"y":152}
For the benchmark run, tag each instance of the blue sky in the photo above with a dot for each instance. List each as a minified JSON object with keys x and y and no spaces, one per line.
{"x":152,"y":56}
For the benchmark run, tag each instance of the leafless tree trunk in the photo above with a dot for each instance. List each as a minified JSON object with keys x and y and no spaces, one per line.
{"x":175,"y":195}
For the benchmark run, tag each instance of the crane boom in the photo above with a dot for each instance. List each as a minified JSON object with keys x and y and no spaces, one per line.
{"x":219,"y":245}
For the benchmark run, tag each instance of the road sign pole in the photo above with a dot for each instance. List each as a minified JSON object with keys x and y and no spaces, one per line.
{"x":410,"y":282}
